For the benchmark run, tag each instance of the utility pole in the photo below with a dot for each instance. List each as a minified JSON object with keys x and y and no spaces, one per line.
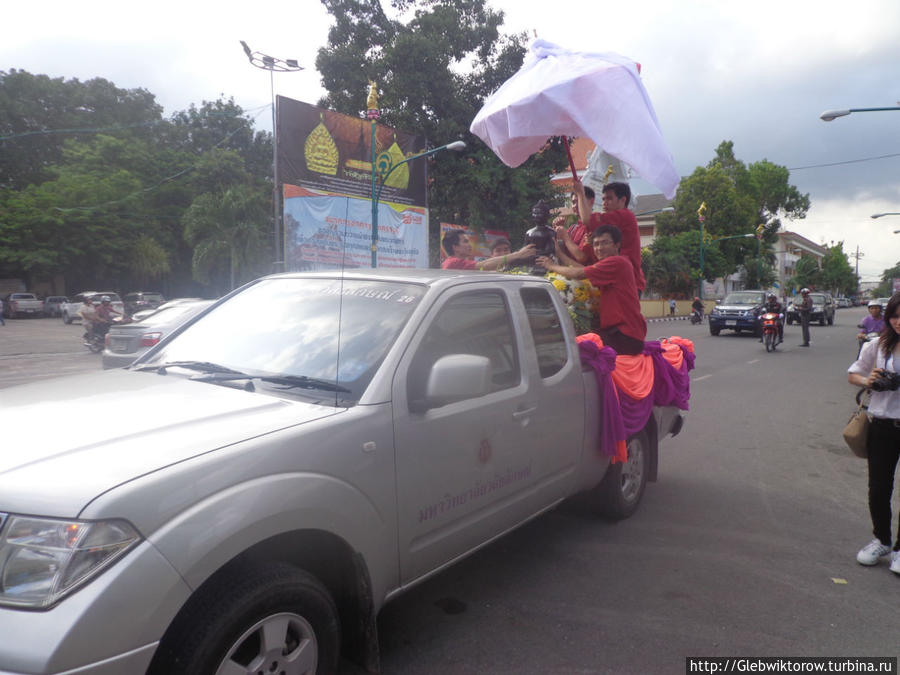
{"x":857,"y":255}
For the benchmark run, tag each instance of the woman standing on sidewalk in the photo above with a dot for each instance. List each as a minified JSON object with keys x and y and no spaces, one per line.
{"x":876,"y":368}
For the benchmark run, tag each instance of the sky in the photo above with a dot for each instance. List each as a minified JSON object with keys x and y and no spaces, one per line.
{"x":756,"y":73}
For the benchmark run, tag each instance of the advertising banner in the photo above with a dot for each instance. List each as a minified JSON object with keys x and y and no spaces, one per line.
{"x":325,"y":230}
{"x":327,"y":151}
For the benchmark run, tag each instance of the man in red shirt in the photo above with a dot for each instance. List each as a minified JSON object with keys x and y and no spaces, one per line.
{"x":620,"y":323}
{"x":571,"y":239}
{"x":616,"y":197}
{"x":459,"y":254}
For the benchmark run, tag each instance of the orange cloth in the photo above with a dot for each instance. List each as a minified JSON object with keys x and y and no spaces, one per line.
{"x":634,"y":375}
{"x":672,"y":351}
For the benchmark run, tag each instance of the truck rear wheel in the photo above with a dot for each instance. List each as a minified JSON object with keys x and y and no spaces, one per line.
{"x":623,"y":485}
{"x":254,"y":619}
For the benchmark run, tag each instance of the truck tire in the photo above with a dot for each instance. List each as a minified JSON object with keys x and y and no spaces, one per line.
{"x":623,"y":485}
{"x":713,"y":331}
{"x":253,"y":619}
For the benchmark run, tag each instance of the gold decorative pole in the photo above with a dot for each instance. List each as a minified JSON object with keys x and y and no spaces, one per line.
{"x":373,"y":113}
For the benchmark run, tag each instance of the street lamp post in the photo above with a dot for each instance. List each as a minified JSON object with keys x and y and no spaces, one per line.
{"x":273,"y":65}
{"x":456,"y":146}
{"x":701,"y":215}
{"x":880,"y":215}
{"x":830,"y":115}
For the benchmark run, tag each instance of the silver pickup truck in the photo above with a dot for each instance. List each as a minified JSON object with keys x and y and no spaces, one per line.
{"x":267,"y":477}
{"x":20,"y":304}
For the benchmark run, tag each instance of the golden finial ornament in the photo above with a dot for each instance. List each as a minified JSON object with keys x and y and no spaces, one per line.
{"x":701,"y":212}
{"x":372,"y":100}
{"x":609,"y":172}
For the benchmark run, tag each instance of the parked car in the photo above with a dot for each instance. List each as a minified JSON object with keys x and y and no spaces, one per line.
{"x":140,"y":300}
{"x":69,"y":310}
{"x":260,"y":483}
{"x":842,"y":302}
{"x":16,"y":305}
{"x":822,"y":311}
{"x":125,"y":342}
{"x":53,"y":305}
{"x":142,"y":314}
{"x":740,"y":310}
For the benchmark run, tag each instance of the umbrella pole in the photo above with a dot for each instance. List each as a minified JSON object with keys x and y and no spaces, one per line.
{"x":571,"y":161}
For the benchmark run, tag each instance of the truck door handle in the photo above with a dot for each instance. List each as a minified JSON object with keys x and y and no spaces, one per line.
{"x":519,"y":414}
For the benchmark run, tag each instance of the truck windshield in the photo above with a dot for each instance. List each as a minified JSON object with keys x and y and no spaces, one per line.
{"x":743,"y":298}
{"x":328,"y":329}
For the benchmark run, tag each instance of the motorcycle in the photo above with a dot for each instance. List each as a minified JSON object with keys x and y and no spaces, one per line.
{"x":770,"y":330}
{"x":95,"y":338}
{"x":869,"y":337}
{"x":696,"y":316}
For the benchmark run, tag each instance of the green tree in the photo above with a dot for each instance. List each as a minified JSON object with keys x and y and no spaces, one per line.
{"x":806,"y":274}
{"x":228,"y":231}
{"x":434,"y":73}
{"x":838,"y":276}
{"x":886,"y":287}
{"x":739,"y":200}
{"x":672,"y":266}
{"x":38,"y":114}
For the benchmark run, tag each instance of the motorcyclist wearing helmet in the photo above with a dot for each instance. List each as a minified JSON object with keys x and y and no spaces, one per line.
{"x":874,"y":323}
{"x":697,"y":305}
{"x":804,"y":309}
{"x":104,"y":315}
{"x":772,"y":305}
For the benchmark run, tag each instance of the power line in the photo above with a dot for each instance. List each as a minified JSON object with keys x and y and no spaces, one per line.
{"x":849,"y":161}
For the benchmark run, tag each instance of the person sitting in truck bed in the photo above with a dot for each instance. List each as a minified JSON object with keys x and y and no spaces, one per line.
{"x":620,"y":323}
{"x":459,"y":251}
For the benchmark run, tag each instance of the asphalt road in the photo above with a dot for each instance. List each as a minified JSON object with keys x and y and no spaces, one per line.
{"x":745,"y":547}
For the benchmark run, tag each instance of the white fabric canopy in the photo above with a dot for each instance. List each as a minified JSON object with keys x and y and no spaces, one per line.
{"x":558,"y":92}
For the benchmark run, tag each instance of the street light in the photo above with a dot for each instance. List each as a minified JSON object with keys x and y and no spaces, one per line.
{"x":273,"y":65}
{"x":879,"y":215}
{"x":456,"y":146}
{"x":830,"y":115}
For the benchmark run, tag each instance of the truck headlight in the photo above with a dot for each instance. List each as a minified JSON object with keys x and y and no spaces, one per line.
{"x":42,"y":560}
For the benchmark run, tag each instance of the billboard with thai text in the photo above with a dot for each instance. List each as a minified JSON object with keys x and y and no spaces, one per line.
{"x":324,"y":230}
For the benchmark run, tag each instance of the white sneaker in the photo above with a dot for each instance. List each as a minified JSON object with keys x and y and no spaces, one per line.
{"x":895,"y":562}
{"x":871,"y":552}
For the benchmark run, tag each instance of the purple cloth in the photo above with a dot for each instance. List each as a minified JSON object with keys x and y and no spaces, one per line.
{"x":621,"y":415}
{"x":603,"y":362}
{"x":671,"y":386}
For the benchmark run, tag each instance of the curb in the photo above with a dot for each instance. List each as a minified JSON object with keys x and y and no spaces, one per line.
{"x":670,"y":318}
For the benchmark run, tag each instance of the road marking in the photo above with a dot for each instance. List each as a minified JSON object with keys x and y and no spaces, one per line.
{"x":702,"y":377}
{"x":753,"y":361}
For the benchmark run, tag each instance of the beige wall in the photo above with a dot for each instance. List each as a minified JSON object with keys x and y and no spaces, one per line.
{"x":653,"y":309}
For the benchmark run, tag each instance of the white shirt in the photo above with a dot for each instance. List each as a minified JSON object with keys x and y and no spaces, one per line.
{"x":884,"y":403}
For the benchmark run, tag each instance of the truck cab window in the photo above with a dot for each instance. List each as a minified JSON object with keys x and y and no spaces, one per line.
{"x":546,"y":330}
{"x":471,"y":323}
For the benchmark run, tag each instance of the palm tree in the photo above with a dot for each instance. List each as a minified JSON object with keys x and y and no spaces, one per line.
{"x":227,"y":229}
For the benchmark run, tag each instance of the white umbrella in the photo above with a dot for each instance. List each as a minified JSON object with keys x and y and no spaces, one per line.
{"x":558,"y":92}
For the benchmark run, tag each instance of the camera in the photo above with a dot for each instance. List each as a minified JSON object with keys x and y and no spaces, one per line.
{"x":886,"y":381}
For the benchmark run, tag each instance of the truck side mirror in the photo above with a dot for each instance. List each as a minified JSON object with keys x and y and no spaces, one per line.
{"x":455,"y":377}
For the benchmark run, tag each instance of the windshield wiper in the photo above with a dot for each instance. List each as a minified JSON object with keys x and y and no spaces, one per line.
{"x":304,"y":382}
{"x":290,"y":381}
{"x":203,"y":366}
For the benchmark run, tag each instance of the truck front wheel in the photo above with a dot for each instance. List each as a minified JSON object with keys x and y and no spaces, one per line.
{"x":272,"y":618}
{"x":623,"y":485}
